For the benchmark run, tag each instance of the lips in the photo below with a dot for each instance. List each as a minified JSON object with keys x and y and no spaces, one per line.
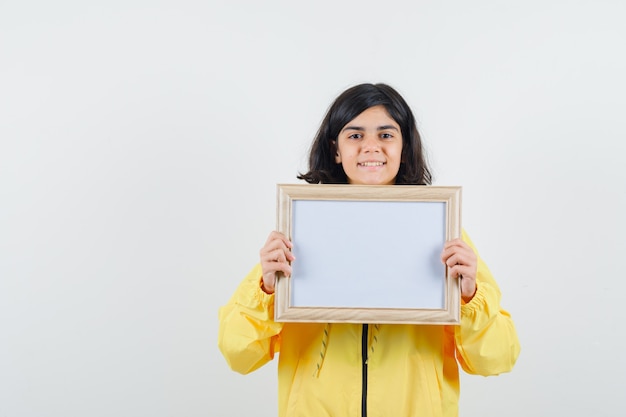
{"x":371,"y":164}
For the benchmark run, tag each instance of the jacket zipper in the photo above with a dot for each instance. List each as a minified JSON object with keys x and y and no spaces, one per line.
{"x":364,"y":340}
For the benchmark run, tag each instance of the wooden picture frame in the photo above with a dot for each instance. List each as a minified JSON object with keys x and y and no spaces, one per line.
{"x":368,"y":253}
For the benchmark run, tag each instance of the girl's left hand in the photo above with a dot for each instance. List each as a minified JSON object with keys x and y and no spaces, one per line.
{"x":462,"y":262}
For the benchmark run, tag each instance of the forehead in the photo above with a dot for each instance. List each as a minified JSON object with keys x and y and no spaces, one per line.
{"x":375,"y":115}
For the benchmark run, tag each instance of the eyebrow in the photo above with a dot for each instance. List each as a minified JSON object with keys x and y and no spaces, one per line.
{"x":379,"y":128}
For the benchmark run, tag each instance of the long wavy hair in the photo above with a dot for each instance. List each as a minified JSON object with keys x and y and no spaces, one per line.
{"x":322,"y":166}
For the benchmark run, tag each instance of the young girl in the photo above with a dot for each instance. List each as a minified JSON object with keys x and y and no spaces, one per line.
{"x":369,"y":136}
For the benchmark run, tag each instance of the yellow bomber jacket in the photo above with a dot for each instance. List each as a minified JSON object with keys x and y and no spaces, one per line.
{"x":412,"y":370}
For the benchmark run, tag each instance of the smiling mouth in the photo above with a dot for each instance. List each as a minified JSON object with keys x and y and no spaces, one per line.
{"x":371,"y":164}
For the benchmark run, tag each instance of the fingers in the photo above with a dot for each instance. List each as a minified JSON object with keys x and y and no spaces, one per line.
{"x":464,"y":271}
{"x":277,"y":236}
{"x":457,"y":252}
{"x":275,"y":257}
{"x":269,"y":275}
{"x":277,"y":248}
{"x":462,"y":262}
{"x":459,"y":258}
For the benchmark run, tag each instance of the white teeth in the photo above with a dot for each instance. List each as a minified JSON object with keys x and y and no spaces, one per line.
{"x":372,"y":164}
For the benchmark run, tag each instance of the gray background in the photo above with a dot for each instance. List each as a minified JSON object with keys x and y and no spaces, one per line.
{"x":141,"y":142}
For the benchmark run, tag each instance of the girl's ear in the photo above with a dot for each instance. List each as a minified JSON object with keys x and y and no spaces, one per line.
{"x":336,"y":150}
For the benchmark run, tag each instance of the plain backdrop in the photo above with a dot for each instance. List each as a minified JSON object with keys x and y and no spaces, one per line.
{"x":140,"y":147}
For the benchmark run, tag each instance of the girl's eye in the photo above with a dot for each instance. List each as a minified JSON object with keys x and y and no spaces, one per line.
{"x":386,"y":135}
{"x":355,"y":136}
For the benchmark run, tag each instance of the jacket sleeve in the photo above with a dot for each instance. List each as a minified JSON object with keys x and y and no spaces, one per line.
{"x":248,"y":335}
{"x":486,"y":341}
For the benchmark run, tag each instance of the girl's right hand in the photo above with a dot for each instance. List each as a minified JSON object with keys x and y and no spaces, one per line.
{"x":275,"y":257}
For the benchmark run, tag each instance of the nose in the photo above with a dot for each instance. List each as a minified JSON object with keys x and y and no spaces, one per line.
{"x":371,"y":144}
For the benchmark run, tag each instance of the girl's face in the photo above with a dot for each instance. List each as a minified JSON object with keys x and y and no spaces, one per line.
{"x":369,"y":148}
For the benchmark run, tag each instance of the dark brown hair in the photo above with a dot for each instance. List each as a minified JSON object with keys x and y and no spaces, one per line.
{"x":348,"y":105}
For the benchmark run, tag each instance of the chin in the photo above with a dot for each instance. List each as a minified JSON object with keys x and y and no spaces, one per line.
{"x":373,"y":182}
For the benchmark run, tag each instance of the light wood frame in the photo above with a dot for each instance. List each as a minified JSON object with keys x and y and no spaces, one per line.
{"x":325,"y":203}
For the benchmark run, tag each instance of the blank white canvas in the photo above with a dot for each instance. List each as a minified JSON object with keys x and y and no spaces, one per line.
{"x":368,"y":254}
